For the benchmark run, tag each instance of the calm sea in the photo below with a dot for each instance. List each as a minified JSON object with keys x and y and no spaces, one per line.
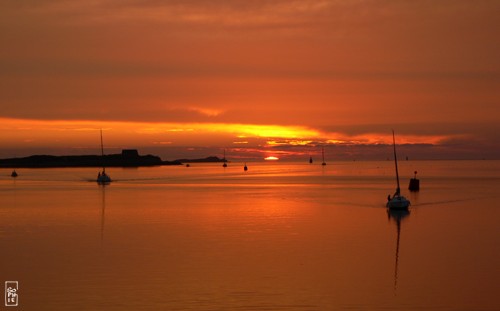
{"x":281,"y":236}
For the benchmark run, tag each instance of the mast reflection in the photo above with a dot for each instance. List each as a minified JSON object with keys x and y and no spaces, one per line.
{"x":397,"y":216}
{"x":103,"y":210}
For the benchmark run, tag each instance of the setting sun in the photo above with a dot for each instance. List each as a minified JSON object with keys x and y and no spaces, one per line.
{"x":271,"y":158}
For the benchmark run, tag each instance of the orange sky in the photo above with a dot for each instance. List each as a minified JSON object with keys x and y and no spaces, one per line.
{"x":250,"y":74}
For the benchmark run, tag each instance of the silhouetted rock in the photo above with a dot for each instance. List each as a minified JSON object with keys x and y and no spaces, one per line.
{"x":204,"y":160}
{"x":128,"y":158}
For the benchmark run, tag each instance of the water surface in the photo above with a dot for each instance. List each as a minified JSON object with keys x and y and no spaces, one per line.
{"x":282,"y":236}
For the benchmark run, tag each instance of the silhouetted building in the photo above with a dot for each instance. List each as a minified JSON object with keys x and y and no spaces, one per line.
{"x":130,"y":153}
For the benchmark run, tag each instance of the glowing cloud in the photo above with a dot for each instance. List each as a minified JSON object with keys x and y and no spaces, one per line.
{"x":255,"y":140}
{"x":238,"y":130}
{"x":67,"y":132}
{"x":206,"y":111}
{"x":376,"y":139}
{"x":277,"y":131}
{"x":289,"y":142}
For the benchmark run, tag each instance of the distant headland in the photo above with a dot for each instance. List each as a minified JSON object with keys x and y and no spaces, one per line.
{"x":128,"y":158}
{"x":203,"y":160}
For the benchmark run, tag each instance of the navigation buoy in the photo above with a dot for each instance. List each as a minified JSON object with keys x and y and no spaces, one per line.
{"x":414,"y":183}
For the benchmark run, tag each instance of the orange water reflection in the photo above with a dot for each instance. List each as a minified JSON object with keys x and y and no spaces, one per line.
{"x":197,"y":239}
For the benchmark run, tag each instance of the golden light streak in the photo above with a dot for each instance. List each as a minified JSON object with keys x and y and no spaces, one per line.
{"x":289,"y":142}
{"x":377,"y":139}
{"x":69,"y":132}
{"x":238,"y":130}
{"x":278,"y":131}
{"x":275,"y":143}
{"x":78,"y":133}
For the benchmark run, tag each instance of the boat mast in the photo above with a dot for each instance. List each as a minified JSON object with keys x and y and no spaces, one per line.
{"x":102,"y":153}
{"x":395,"y":162}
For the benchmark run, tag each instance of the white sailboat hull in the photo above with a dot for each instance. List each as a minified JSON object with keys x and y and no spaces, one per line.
{"x":103,"y":179}
{"x":398,"y":202}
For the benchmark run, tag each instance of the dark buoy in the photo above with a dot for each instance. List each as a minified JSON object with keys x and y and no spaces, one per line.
{"x":245,"y":168}
{"x":14,"y":173}
{"x":310,"y":160}
{"x":414,"y":183}
{"x":187,"y":165}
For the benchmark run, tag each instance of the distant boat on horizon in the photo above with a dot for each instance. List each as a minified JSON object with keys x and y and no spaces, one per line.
{"x":245,"y":168}
{"x":102,"y":177}
{"x":323,"y":155}
{"x":14,"y":174}
{"x":397,"y":201}
{"x":224,"y":159}
{"x":310,"y":160}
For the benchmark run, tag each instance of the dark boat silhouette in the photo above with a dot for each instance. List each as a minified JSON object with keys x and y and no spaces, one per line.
{"x":224,"y":159}
{"x":397,"y":201}
{"x":102,"y":177}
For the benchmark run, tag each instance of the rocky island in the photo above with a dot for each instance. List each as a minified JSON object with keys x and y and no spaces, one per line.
{"x":128,"y":158}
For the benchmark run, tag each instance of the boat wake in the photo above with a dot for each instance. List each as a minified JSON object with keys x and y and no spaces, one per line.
{"x":453,"y":201}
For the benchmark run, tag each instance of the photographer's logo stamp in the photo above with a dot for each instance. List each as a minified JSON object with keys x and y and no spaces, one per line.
{"x":11,"y":293}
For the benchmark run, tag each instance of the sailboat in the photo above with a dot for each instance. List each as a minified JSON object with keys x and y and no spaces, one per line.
{"x":102,"y":177}
{"x":224,"y":159}
{"x":14,"y":174}
{"x":323,"y":155}
{"x":310,"y":160}
{"x":397,"y":201}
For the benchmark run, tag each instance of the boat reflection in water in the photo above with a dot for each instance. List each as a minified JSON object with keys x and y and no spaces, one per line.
{"x":103,"y":212}
{"x":397,"y":215}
